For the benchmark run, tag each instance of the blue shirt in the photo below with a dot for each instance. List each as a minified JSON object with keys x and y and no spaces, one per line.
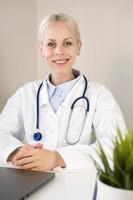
{"x":57,"y":94}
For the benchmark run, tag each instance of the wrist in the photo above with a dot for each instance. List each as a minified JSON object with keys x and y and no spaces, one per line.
{"x":59,"y":160}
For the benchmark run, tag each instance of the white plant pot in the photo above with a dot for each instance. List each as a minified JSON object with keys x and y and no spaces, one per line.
{"x":106,"y":192}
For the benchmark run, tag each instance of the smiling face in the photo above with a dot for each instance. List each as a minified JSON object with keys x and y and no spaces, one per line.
{"x":60,"y":47}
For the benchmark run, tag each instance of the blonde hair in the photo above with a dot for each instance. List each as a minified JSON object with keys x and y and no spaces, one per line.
{"x":58,"y":18}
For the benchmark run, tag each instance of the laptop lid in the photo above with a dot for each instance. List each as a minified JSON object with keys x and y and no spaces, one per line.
{"x":16,"y":184}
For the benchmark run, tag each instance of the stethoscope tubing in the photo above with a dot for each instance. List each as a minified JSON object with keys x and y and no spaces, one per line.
{"x":38,"y":136}
{"x":72,"y":107}
{"x":37,"y":106}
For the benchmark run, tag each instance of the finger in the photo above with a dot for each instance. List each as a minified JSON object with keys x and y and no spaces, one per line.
{"x":34,"y":169}
{"x":27,"y":147}
{"x":39,"y":145}
{"x":38,"y":169}
{"x":29,"y":165}
{"x":26,"y":150}
{"x":24,"y":161}
{"x":24,"y":153}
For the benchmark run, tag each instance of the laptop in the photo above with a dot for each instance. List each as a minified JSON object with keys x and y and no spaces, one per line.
{"x":17,"y":184}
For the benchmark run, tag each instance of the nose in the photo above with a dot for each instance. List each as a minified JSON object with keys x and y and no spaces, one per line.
{"x":59,"y":50}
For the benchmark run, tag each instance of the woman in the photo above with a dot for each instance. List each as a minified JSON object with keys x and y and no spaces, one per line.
{"x":47,"y":134}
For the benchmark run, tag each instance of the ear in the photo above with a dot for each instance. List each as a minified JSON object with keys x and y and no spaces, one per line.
{"x":79,"y":47}
{"x":41,"y":49}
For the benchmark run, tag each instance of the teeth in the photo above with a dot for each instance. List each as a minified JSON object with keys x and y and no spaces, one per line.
{"x":60,"y":61}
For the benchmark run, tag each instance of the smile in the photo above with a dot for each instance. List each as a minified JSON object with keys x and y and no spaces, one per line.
{"x":63,"y":61}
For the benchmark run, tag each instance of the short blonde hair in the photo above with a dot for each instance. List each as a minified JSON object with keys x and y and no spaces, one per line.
{"x":59,"y":18}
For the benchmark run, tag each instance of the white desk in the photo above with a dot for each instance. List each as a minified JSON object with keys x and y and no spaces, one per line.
{"x":67,"y":186}
{"x":72,"y":186}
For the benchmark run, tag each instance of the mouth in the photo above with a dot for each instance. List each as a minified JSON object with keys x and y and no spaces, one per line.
{"x":61,"y":61}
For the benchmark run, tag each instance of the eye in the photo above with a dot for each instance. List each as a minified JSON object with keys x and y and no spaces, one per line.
{"x":68,"y":43}
{"x":51,"y":44}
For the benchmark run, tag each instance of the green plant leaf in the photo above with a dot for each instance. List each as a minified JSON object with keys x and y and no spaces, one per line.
{"x":110,"y":180}
{"x":104,"y":159}
{"x":121,"y":175}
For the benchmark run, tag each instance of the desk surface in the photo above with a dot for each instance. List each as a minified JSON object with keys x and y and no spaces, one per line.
{"x":66,"y":186}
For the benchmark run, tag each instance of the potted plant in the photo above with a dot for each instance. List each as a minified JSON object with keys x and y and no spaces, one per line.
{"x":115,"y":181}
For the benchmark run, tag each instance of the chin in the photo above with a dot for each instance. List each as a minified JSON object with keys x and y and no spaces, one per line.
{"x":61,"y":69}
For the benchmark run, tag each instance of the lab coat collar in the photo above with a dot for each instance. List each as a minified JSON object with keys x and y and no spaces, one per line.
{"x":65,"y":87}
{"x":50,"y":87}
{"x":76,"y":91}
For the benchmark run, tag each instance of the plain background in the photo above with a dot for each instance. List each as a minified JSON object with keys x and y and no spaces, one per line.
{"x":107,"y":44}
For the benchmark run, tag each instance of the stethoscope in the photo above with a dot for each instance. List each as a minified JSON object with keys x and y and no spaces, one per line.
{"x":37,"y":136}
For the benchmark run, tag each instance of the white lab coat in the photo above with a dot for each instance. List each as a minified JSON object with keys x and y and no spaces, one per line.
{"x":18,"y":122}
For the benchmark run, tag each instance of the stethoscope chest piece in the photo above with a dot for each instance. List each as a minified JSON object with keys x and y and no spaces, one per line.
{"x":37,"y":136}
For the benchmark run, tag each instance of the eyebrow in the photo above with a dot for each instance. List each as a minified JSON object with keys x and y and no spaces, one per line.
{"x":63,"y":39}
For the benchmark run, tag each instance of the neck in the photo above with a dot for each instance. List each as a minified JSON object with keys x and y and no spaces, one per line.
{"x":57,"y":79}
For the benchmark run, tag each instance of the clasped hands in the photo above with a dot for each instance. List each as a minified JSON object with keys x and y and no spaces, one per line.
{"x":37,"y":158}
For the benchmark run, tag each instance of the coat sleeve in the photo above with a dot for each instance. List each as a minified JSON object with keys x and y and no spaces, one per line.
{"x":107,"y":117}
{"x":11,"y":127}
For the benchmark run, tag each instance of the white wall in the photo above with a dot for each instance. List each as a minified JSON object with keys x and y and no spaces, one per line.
{"x":107,"y":35}
{"x":18,"y":26}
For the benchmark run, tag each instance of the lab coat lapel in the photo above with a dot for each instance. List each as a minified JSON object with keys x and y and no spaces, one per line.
{"x":75,"y":92}
{"x":44,"y":99}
